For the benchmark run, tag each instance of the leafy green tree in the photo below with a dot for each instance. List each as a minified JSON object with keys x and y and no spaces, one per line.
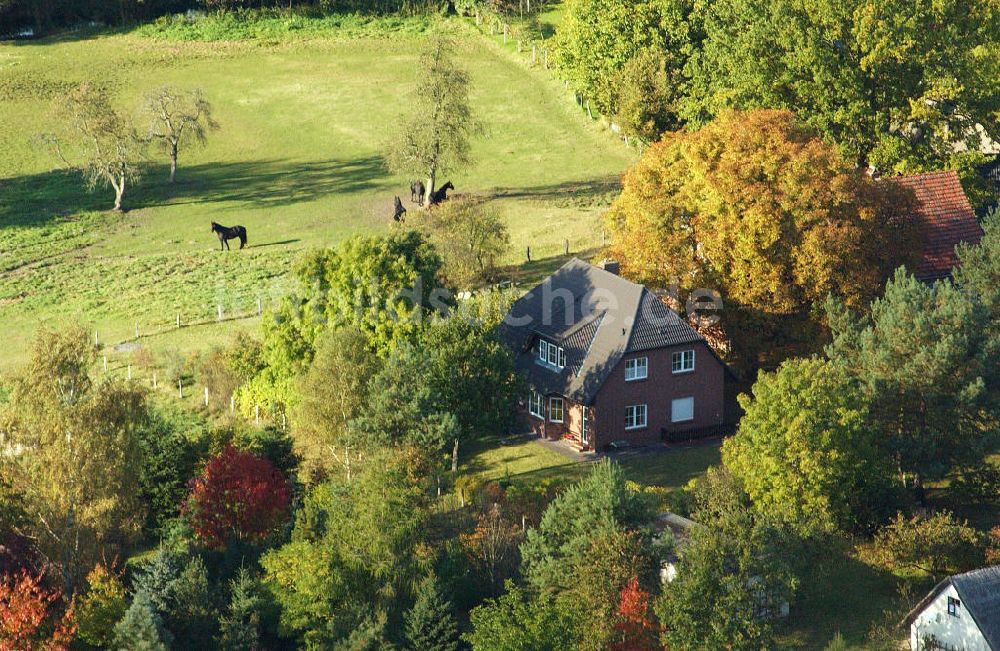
{"x":141,"y":629}
{"x":646,"y":94}
{"x":805,"y":451}
{"x":925,"y":358}
{"x":733,"y":574}
{"x":79,"y":464}
{"x":353,"y":554}
{"x":937,"y":545}
{"x":896,"y":85}
{"x":597,"y":39}
{"x":239,"y":626}
{"x":100,"y":608}
{"x":978,"y":273}
{"x":430,"y":624}
{"x":434,"y":133}
{"x":383,"y":286}
{"x":516,"y":622}
{"x":472,"y":237}
{"x":333,"y":393}
{"x":757,"y":206}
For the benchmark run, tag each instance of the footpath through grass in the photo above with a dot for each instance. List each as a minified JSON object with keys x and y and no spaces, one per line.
{"x":296,"y":161}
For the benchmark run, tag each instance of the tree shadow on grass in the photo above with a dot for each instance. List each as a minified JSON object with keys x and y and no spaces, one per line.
{"x":841,"y":595}
{"x":33,"y":200}
{"x":599,"y":188}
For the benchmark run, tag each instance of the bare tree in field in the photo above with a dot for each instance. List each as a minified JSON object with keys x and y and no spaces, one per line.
{"x":435,"y":131}
{"x":176,"y":115}
{"x":109,"y":144}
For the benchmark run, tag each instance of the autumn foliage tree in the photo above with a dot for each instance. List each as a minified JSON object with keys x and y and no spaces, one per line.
{"x":757,"y":206}
{"x":30,"y":616}
{"x":634,"y":629}
{"x":238,"y":497}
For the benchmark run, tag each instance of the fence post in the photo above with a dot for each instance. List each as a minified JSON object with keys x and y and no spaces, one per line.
{"x":129,"y":372}
{"x":590,"y":113}
{"x":258,"y":306}
{"x":180,"y":389}
{"x":528,"y":252}
{"x":232,"y":404}
{"x":105,"y":363}
{"x":523,"y":522}
{"x":178,"y":320}
{"x":282,"y":421}
{"x":219,"y":310}
{"x":97,"y":338}
{"x":256,"y":414}
{"x":567,"y":246}
{"x":505,"y":33}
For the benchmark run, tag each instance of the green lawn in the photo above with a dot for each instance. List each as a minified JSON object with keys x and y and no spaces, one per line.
{"x":528,"y":461}
{"x":296,"y":161}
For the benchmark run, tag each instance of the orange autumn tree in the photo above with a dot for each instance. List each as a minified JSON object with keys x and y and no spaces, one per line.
{"x":757,"y":206}
{"x":30,"y":618}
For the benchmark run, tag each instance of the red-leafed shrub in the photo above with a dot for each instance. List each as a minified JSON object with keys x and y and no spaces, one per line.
{"x":238,"y":496}
{"x":29,"y":617}
{"x":634,"y":630}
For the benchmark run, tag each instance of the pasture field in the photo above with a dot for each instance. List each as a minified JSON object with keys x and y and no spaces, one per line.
{"x":296,"y":161}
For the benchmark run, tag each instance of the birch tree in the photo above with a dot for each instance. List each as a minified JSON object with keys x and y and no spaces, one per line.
{"x":176,"y":116}
{"x":109,"y":145}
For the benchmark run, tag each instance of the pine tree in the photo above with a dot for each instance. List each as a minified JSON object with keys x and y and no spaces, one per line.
{"x":239,"y":627}
{"x":430,"y":625}
{"x":141,"y":629}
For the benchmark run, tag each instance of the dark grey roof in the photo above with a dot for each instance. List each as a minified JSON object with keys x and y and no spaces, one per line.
{"x":597,"y":317}
{"x":979,"y":591}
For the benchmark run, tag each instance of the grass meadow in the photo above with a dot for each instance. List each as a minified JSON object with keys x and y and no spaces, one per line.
{"x":296,"y":160}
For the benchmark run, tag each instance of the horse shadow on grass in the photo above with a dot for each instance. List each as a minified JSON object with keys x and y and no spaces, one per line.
{"x":35,"y":199}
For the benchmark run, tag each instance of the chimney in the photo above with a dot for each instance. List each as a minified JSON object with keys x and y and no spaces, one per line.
{"x":611,"y":266}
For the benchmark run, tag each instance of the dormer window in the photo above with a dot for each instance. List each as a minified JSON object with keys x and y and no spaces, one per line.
{"x":551,"y":355}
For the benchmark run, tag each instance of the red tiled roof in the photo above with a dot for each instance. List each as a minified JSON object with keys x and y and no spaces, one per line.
{"x":948,"y":217}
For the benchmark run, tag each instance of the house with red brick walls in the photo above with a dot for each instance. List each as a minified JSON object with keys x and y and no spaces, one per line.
{"x":606,"y":361}
{"x":947,"y":217}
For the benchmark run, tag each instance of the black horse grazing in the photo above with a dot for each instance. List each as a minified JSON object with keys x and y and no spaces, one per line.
{"x":417,"y":192}
{"x":226,"y":233}
{"x":400,"y":211}
{"x":441,"y":194}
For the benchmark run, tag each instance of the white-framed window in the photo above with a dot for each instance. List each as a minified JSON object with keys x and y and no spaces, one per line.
{"x":635,"y":416}
{"x":636,"y":369}
{"x":682,"y":409}
{"x":536,"y":406}
{"x":551,"y":354}
{"x":683,"y":361}
{"x":584,"y":429}
{"x":953,"y":606}
{"x":555,"y":410}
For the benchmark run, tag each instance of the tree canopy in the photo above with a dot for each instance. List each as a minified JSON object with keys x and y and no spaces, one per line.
{"x":757,"y":206}
{"x":894,"y":84}
{"x":805,"y":451}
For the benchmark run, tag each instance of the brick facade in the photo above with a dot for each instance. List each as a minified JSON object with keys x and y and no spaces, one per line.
{"x":706,"y":384}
